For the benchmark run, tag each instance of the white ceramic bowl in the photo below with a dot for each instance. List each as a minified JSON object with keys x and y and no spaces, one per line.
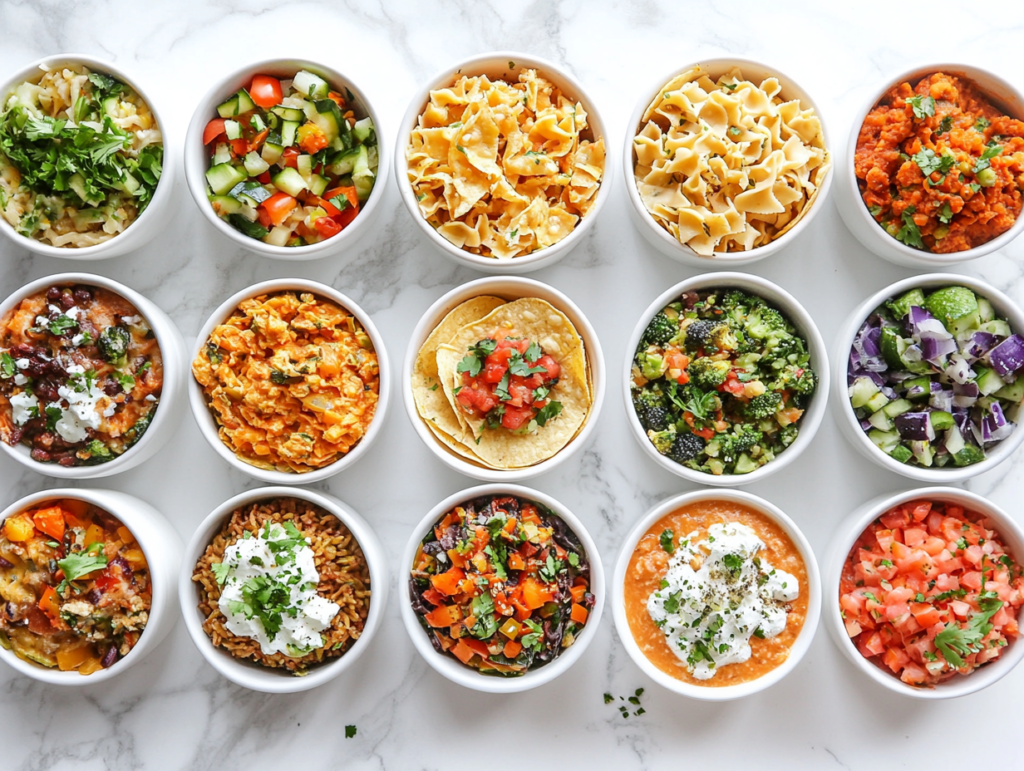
{"x":158,"y":212}
{"x":172,"y":398}
{"x":208,"y":424}
{"x":197,"y":159}
{"x":847,"y":533}
{"x":843,"y":410}
{"x":497,"y":66}
{"x":797,"y":315}
{"x":248,"y":674}
{"x":813,"y":589}
{"x":453,"y":669}
{"x":510,"y":288}
{"x":852,"y":207}
{"x":162,"y":547}
{"x":664,"y":241}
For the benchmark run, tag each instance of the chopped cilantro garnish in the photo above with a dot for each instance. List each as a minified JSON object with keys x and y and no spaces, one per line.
{"x":80,"y":563}
{"x":666,"y":541}
{"x":923,"y":106}
{"x":910,"y":234}
{"x":350,"y":731}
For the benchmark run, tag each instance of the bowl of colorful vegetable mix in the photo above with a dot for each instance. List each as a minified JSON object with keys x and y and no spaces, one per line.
{"x":85,"y":169}
{"x":725,"y":379}
{"x":283,"y":158}
{"x":504,"y":588}
{"x":929,"y":377}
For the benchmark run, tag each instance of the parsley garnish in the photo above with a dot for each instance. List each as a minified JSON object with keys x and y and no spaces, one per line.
{"x":984,"y":161}
{"x":61,"y":324}
{"x":923,"y":106}
{"x":945,"y":213}
{"x":666,"y":541}
{"x":910,"y":234}
{"x":929,"y":162}
{"x":733,"y":563}
{"x":220,"y":572}
{"x":548,"y":412}
{"x":672,"y":602}
{"x":7,"y":366}
{"x":340,"y":202}
{"x":981,"y":124}
{"x":875,"y":210}
{"x":80,"y":563}
{"x":954,"y":643}
{"x":945,"y":125}
{"x":350,"y":731}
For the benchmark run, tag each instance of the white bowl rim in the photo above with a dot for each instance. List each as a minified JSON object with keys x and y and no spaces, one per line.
{"x":453,"y":669}
{"x":803,"y":640}
{"x":433,"y":316}
{"x":918,"y":71}
{"x":196,"y":164}
{"x":447,"y":74}
{"x":166,"y":342}
{"x":160,"y":195}
{"x":845,"y":539}
{"x":201,"y":411}
{"x":249,"y":674}
{"x":797,"y":315}
{"x":725,"y":259}
{"x":161,"y":592}
{"x":848,"y":330}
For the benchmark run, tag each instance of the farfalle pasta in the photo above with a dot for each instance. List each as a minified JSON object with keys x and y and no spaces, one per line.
{"x":500,"y":169}
{"x":727,"y":166}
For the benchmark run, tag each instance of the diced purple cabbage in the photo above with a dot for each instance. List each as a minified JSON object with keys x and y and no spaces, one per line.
{"x":994,"y":426}
{"x":865,"y":425}
{"x":865,"y":345}
{"x":917,"y":316}
{"x":915,"y":426}
{"x":935,"y":348}
{"x":1008,"y":356}
{"x":979,"y":344}
{"x":958,"y":370}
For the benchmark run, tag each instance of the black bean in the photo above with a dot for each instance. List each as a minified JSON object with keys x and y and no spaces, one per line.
{"x":53,"y":294}
{"x":94,"y":596}
{"x":40,"y":455}
{"x":82,"y":295}
{"x":67,"y":300}
{"x":111,"y":387}
{"x":109,"y":657}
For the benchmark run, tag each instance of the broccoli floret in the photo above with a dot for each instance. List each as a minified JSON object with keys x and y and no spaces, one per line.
{"x":761,"y":321}
{"x":134,"y":434}
{"x":799,"y":380}
{"x":663,"y":440}
{"x":685,"y":447}
{"x":764,"y":405}
{"x":113,"y":345}
{"x":788,"y":435}
{"x":742,"y":438}
{"x":736,"y":298}
{"x":780,"y":350}
{"x":97,"y":452}
{"x":659,"y":331}
{"x":652,"y":410}
{"x":708,"y":333}
{"x":708,"y":374}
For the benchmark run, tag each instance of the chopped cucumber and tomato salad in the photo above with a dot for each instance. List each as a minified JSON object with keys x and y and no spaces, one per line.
{"x":934,"y":377}
{"x":720,"y":381}
{"x":929,"y":591}
{"x":290,"y":163}
{"x":502,"y":584}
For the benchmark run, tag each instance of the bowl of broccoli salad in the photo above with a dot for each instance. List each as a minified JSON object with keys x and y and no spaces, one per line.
{"x":720,"y":379}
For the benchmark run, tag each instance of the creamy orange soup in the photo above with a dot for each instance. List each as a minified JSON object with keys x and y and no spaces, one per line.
{"x":649,"y":564}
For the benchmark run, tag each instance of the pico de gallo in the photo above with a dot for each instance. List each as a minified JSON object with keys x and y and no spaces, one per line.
{"x":929,"y":591}
{"x":290,"y":164}
{"x":507,"y":381}
{"x":502,"y":584}
{"x":75,"y":587}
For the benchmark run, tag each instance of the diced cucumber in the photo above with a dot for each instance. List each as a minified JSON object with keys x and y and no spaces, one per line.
{"x":304,"y":165}
{"x":362,"y":175}
{"x":923,"y":452}
{"x":223,"y":177}
{"x":257,"y":123}
{"x":940,"y":420}
{"x":924,"y":383}
{"x":881,"y":421}
{"x":243,"y":198}
{"x":229,"y":108}
{"x":897,"y":407}
{"x":988,"y":380}
{"x":255,"y":165}
{"x":863,"y":388}
{"x":308,"y":84}
{"x":279,"y":236}
{"x":884,"y":440}
{"x":996,"y":327}
{"x":968,"y":455}
{"x":876,"y":402}
{"x":892,"y":347}
{"x":288,"y":131}
{"x":954,"y":440}
{"x":902,"y":305}
{"x":328,"y":119}
{"x":233,"y":129}
{"x":985,"y":310}
{"x":273,"y":121}
{"x":1012,"y":392}
{"x":372,"y":157}
{"x":77,"y":183}
{"x":901,"y":453}
{"x":225,"y":204}
{"x":344,"y":163}
{"x":363,"y":129}
{"x":288,"y":113}
{"x":245,"y":102}
{"x":244,"y":226}
{"x":317,"y":184}
{"x":969,"y":322}
{"x":221,"y":154}
{"x":289,"y":181}
{"x":254,"y":191}
{"x":271,"y":153}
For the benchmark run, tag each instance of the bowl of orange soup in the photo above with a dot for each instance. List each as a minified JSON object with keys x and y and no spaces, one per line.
{"x":716,"y":594}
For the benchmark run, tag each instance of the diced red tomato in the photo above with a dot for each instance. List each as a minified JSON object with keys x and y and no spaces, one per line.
{"x":516,"y":417}
{"x":266,"y":91}
{"x":290,"y":157}
{"x":326,"y":227}
{"x":278,"y":207}
{"x":213,"y":130}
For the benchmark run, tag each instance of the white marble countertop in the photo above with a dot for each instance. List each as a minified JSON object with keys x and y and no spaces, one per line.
{"x":174,"y":711}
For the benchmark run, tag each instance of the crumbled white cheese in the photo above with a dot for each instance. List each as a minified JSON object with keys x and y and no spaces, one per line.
{"x":24,"y":406}
{"x":150,"y":398}
{"x":81,"y":413}
{"x":22,"y":363}
{"x":131,"y":319}
{"x":75,"y":369}
{"x":20,"y":379}
{"x":78,"y":339}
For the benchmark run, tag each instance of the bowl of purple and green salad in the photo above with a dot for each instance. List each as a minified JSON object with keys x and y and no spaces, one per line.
{"x":725,"y":379}
{"x":930,"y":377}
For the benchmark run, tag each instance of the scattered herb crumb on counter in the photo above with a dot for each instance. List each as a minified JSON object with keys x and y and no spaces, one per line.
{"x":940,"y":166}
{"x":290,"y":164}
{"x":720,"y":381}
{"x":502,"y":168}
{"x":634,"y":700}
{"x":929,"y":591}
{"x":715,"y":594}
{"x":80,"y":375}
{"x":292,"y":380}
{"x":283,"y":583}
{"x":934,"y":377}
{"x":80,"y":157}
{"x":501,"y":584}
{"x":75,"y":586}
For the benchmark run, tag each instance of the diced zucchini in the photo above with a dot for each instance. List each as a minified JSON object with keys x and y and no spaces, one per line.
{"x":289,"y":181}
{"x":863,"y":388}
{"x":255,"y":165}
{"x":254,"y":191}
{"x":988,"y":380}
{"x":288,"y":113}
{"x":223,"y":177}
{"x":245,"y":102}
{"x":317,"y":184}
{"x":308,"y":84}
{"x":901,"y":453}
{"x":881,"y":421}
{"x":363,"y":129}
{"x":233,"y":129}
{"x":941,"y":421}
{"x":876,"y":402}
{"x":221,"y":154}
{"x":969,"y":322}
{"x":271,"y":153}
{"x":229,"y":108}
{"x":225,"y":205}
{"x":884,"y":440}
{"x":288,"y":131}
{"x":897,"y":407}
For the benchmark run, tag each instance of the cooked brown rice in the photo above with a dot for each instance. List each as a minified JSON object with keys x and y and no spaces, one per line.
{"x":344,"y":579}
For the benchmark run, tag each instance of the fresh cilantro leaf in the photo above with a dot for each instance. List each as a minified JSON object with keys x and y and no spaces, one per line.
{"x":672,"y":602}
{"x":341,"y":202}
{"x":945,"y":213}
{"x":501,"y":390}
{"x":548,"y":412}
{"x":954,"y":643}
{"x":923,"y":106}
{"x":910,"y":234}
{"x":220,"y":572}
{"x":875,"y":210}
{"x":518,"y":366}
{"x":80,"y":563}
{"x":759,"y":634}
{"x":350,"y":731}
{"x":981,"y":124}
{"x":61,"y":324}
{"x":944,"y":125}
{"x":484,"y":348}
{"x":53,"y":414}
{"x":7,"y":366}
{"x":984,"y":161}
{"x":126,"y":380}
{"x":608,"y":698}
{"x":533,"y":353}
{"x":665,"y":539}
{"x":733,"y":563}
{"x":929,"y":162}
{"x":470,"y":364}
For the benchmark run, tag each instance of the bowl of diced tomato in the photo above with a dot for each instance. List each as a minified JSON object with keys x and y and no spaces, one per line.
{"x":283,"y":158}
{"x":926,"y":590}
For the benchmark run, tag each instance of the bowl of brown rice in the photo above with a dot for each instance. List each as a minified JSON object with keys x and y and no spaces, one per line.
{"x":283,"y":588}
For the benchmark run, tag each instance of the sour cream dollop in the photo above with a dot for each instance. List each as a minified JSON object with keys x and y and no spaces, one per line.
{"x":709,"y":613}
{"x":272,"y":576}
